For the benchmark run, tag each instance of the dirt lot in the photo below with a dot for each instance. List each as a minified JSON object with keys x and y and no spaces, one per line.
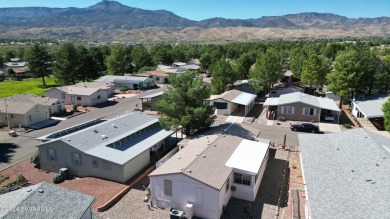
{"x":103,"y":190}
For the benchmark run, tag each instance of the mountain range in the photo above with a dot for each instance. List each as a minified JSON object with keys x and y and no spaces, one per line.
{"x":112,"y":20}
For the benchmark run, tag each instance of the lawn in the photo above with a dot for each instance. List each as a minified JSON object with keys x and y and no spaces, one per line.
{"x":27,"y":86}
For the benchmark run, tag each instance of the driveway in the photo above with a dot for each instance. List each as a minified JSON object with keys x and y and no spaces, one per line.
{"x":329,"y":127}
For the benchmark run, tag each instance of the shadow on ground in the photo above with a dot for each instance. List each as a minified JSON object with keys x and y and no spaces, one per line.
{"x":228,"y":128}
{"x":266,"y":202}
{"x":6,"y":151}
{"x":106,"y":104}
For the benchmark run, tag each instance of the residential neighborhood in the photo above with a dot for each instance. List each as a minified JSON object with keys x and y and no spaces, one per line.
{"x":116,"y":126}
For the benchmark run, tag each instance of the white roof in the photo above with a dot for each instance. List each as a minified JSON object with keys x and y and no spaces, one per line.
{"x":372,"y":108}
{"x":248,"y":156}
{"x":153,"y":95}
{"x":271,"y":101}
{"x":298,"y":97}
{"x":244,"y":99}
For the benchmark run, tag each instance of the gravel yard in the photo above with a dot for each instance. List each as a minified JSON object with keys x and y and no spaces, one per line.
{"x":132,"y":206}
{"x":103,"y":190}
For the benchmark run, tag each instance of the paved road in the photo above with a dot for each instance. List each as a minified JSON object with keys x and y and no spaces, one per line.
{"x":18,"y":148}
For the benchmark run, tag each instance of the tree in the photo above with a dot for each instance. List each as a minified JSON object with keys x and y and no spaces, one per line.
{"x":297,"y":58}
{"x":38,"y":59}
{"x":1,"y":60}
{"x":354,"y":73}
{"x":330,"y":51}
{"x":65,"y":67}
{"x":267,"y":71}
{"x":244,"y":63}
{"x":184,"y":104}
{"x":179,"y":53}
{"x":383,"y":80}
{"x":9,"y":54}
{"x":119,"y":61}
{"x":314,"y":70}
{"x":223,"y":75}
{"x":86,"y":69}
{"x":386,"y":112}
{"x":141,"y":57}
{"x":162,"y":53}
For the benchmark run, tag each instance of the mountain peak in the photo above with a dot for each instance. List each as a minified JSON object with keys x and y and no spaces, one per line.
{"x":107,"y":4}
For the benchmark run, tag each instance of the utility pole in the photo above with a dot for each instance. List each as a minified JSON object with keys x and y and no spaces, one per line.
{"x":6,"y":112}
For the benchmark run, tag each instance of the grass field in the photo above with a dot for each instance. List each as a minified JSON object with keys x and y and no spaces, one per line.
{"x":28,"y":86}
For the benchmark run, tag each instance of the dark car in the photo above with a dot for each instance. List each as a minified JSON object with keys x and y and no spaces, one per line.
{"x":305,"y":127}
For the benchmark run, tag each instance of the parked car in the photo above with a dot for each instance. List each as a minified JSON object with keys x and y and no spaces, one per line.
{"x":305,"y":127}
{"x":329,"y":117}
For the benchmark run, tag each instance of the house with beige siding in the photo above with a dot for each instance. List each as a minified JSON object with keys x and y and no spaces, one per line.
{"x":206,"y":173}
{"x":89,"y":94}
{"x":115,"y":149}
{"x":232,"y":100}
{"x":26,"y":109}
{"x":299,"y":106}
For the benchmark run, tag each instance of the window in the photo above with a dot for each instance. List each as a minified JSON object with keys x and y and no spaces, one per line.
{"x":12,"y":116}
{"x":76,"y":159}
{"x":78,"y":98}
{"x":220,"y":105}
{"x":242,"y":179}
{"x":227,"y":184}
{"x":99,"y":97}
{"x":51,"y":154}
{"x":288,"y":110}
{"x":157,"y":79}
{"x":95,"y":163}
{"x":168,"y":187}
{"x":307,"y":111}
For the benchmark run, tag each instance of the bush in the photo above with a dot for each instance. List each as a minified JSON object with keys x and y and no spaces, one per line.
{"x":57,"y":178}
{"x":20,"y":179}
{"x":347,"y":125}
{"x":281,"y":118}
{"x":123,"y":89}
{"x":35,"y":158}
{"x":85,"y":106}
{"x":75,"y":107}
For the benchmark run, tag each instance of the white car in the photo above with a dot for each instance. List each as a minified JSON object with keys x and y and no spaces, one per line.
{"x":329,"y":117}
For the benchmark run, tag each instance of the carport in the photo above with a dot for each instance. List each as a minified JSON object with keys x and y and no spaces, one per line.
{"x":368,"y":108}
{"x":329,"y":105}
{"x":246,"y":100}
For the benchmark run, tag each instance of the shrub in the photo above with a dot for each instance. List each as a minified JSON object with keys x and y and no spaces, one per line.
{"x":20,"y":179}
{"x":281,"y":118}
{"x":278,"y":123}
{"x":75,"y":107}
{"x":57,"y":178}
{"x":85,"y":106}
{"x":347,"y":125}
{"x":35,"y":158}
{"x":123,"y":89}
{"x":3,"y":178}
{"x":148,"y":192}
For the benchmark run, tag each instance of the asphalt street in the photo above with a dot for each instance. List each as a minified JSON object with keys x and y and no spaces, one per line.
{"x":20,"y":147}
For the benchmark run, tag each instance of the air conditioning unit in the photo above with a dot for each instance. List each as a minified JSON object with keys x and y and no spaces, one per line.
{"x":177,"y":214}
{"x":189,"y":210}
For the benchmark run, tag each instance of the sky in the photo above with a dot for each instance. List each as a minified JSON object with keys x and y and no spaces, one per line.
{"x":243,"y":9}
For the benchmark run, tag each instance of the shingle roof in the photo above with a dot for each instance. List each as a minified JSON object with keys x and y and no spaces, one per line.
{"x":54,"y":202}
{"x":16,"y":107}
{"x":298,"y":97}
{"x":98,"y":140}
{"x":347,"y":174}
{"x":203,"y":162}
{"x":372,"y":107}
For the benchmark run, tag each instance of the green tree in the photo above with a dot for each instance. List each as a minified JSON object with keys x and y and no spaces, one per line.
{"x":162,"y":53}
{"x":86,"y":69}
{"x":119,"y":61}
{"x":223,"y":75}
{"x":38,"y":59}
{"x":314,"y":70}
{"x":9,"y":54}
{"x":383,"y":81}
{"x":297,"y":58}
{"x":1,"y":60}
{"x":386,"y":112}
{"x":184,"y":104}
{"x":141,"y":57}
{"x":267,"y":71}
{"x":179,"y":53}
{"x":98,"y":55}
{"x":330,"y":51}
{"x":67,"y":62}
{"x":245,"y":62}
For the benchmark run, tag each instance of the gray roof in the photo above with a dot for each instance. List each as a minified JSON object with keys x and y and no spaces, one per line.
{"x":122,"y":79}
{"x":16,"y":107}
{"x":228,"y":95}
{"x":98,"y":140}
{"x":153,"y":95}
{"x":299,"y":97}
{"x":46,"y":101}
{"x":372,"y":108}
{"x":203,"y":158}
{"x":54,"y":202}
{"x":75,"y":90}
{"x":347,"y":174}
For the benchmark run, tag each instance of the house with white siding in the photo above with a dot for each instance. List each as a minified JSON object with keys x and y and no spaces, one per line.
{"x":229,"y":101}
{"x":131,"y":82}
{"x":203,"y":175}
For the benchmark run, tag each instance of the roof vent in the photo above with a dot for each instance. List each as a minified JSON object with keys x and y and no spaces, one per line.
{"x":377,"y":164}
{"x":189,"y":170}
{"x":113,"y":125}
{"x":104,"y":137}
{"x":204,"y":156}
{"x":181,"y":168}
{"x":214,"y":145}
{"x":95,"y":130}
{"x":179,"y":158}
{"x":69,"y":139}
{"x":29,"y":190}
{"x":40,"y":190}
